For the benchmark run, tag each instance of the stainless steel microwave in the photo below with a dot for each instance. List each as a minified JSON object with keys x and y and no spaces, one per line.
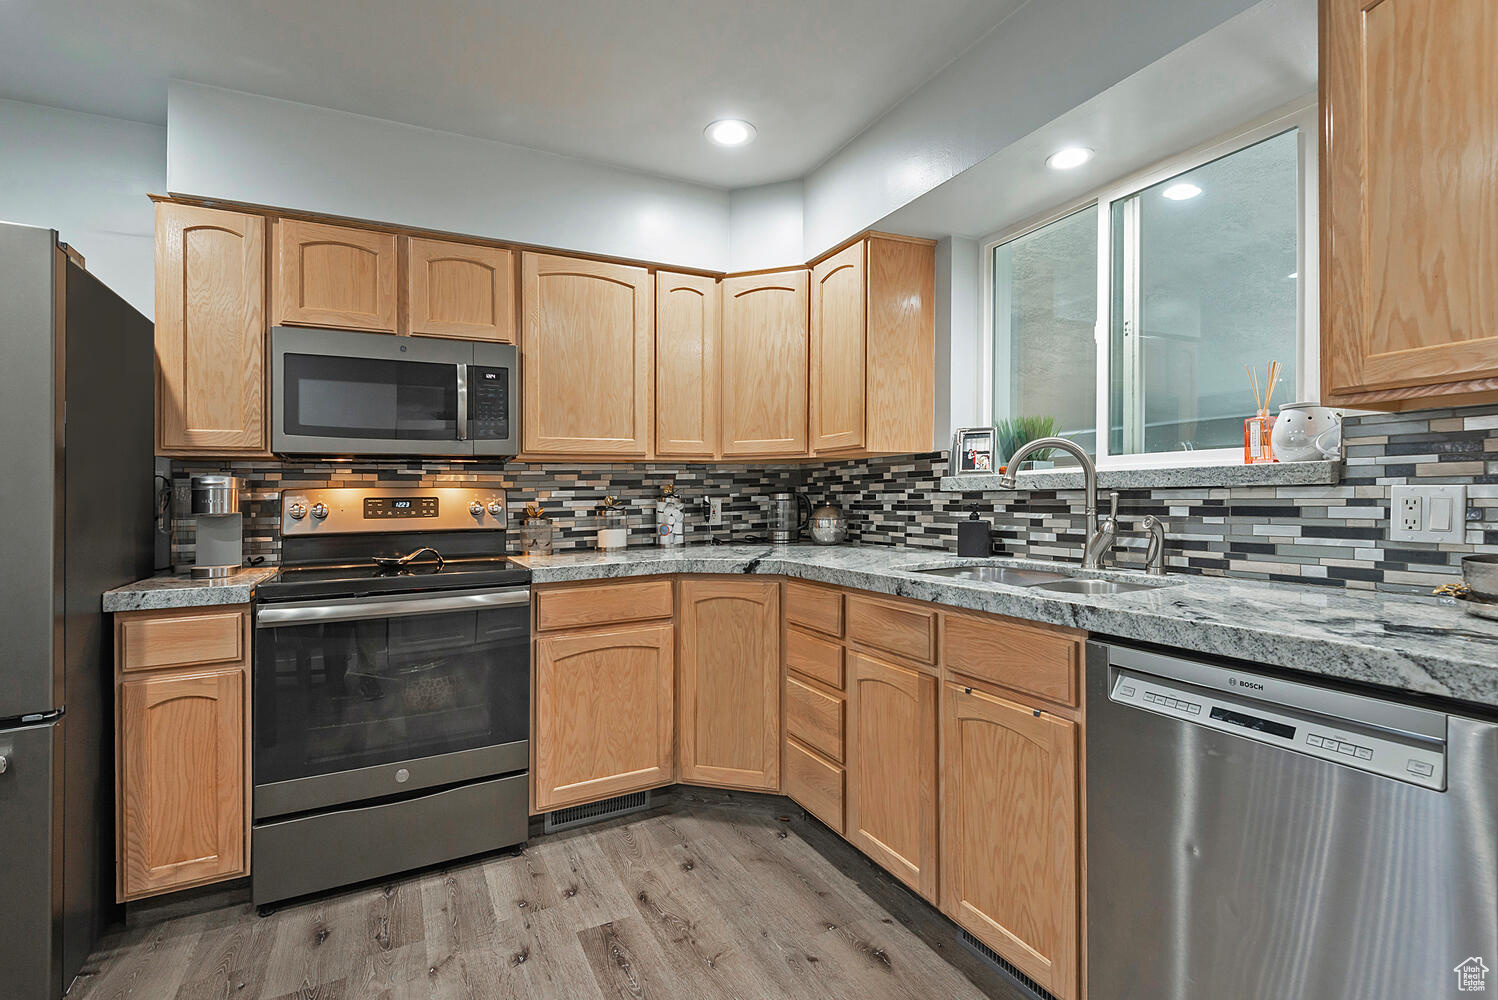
{"x":337,"y":392}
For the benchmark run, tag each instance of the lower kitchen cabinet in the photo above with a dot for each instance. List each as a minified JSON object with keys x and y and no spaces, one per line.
{"x":182,"y":752}
{"x":1009,"y":840}
{"x":892,"y":761}
{"x":730,"y":683}
{"x":604,"y":714}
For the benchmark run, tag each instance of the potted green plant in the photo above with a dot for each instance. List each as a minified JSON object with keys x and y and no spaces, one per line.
{"x":1013,"y":433}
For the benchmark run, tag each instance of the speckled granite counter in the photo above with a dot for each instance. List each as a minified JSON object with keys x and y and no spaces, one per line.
{"x":1399,"y":642}
{"x":173,"y":591}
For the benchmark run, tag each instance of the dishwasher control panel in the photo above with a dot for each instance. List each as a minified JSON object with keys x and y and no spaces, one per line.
{"x":1415,"y":759}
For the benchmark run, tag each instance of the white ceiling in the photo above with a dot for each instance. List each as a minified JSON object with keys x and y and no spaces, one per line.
{"x":630,"y":83}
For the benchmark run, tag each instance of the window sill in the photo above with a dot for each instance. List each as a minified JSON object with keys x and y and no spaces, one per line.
{"x":1180,"y":477}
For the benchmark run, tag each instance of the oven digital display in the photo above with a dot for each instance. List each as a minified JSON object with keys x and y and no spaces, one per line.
{"x":383,"y":507}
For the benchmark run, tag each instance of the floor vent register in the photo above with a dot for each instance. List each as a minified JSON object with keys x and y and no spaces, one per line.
{"x":596,"y":812}
{"x":1003,"y":966}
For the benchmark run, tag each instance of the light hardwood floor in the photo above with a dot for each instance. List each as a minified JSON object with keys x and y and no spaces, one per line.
{"x":698,"y":899}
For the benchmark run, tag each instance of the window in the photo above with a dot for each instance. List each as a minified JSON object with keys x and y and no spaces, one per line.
{"x":1199,"y":266}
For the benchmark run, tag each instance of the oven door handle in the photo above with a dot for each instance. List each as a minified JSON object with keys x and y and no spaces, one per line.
{"x":364,"y":608}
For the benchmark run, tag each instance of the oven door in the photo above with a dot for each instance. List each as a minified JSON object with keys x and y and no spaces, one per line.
{"x":363,"y":698}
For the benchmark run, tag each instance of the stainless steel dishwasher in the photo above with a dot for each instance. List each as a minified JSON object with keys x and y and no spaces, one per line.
{"x":1256,"y":838}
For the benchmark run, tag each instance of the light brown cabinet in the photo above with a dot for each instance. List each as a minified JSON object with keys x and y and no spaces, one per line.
{"x":687,"y":332}
{"x":1409,"y":201}
{"x":730,"y":683}
{"x":182,"y":782}
{"x":604,"y":716}
{"x":210,"y":331}
{"x":335,"y":276}
{"x":587,"y":349}
{"x":764,"y":364}
{"x":1009,"y":832}
{"x":892,"y":768}
{"x":460,"y":290}
{"x":873,"y":324}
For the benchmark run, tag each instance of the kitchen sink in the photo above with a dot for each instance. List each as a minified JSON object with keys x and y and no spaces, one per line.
{"x":1094,"y":588}
{"x":996,"y":574}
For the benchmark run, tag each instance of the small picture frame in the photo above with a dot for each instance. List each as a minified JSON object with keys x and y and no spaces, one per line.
{"x":973,"y":451}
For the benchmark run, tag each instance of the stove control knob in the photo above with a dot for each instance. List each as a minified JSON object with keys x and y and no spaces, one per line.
{"x":496,"y":508}
{"x":319,"y":510}
{"x":476,"y":509}
{"x":297,"y":511}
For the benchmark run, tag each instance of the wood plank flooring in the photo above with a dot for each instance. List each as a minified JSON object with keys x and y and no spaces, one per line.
{"x":703,"y":900}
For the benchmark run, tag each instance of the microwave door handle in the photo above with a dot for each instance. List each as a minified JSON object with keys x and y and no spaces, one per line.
{"x":462,"y":401}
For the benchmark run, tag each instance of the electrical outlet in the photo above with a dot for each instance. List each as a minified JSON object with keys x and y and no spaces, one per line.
{"x":1428,"y":514}
{"x":714,"y":510}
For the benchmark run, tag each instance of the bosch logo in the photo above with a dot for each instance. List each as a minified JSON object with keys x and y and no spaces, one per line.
{"x":1251,"y":685}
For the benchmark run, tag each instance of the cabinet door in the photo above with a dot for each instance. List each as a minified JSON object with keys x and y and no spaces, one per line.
{"x":892,"y":769}
{"x":335,"y":276}
{"x":730,"y":683}
{"x":837,"y":351}
{"x":182,"y":768}
{"x":764,"y":364}
{"x":587,"y":352}
{"x":1410,"y":150}
{"x":603,"y":714}
{"x":1009,"y":832}
{"x":456,"y":290}
{"x":210,"y":331}
{"x":686,"y":365}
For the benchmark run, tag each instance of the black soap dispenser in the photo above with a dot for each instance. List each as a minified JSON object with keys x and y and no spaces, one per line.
{"x":974,"y":536}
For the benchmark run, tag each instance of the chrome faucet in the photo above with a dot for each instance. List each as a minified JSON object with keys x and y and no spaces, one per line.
{"x":1154,"y":557}
{"x":1099,"y":536}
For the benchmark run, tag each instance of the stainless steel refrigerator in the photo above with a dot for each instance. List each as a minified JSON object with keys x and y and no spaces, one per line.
{"x":76,"y":385}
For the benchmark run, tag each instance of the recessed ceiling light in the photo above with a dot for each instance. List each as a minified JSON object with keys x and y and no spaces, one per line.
{"x":1181,"y":191}
{"x":730,"y":132}
{"x":1068,"y":158}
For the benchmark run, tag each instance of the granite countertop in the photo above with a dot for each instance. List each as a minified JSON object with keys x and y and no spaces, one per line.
{"x":172,"y":590}
{"x":1408,"y":643}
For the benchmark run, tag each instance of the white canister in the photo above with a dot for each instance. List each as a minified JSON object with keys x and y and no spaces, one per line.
{"x":1306,"y":432}
{"x":614,"y":533}
{"x":670,"y":521}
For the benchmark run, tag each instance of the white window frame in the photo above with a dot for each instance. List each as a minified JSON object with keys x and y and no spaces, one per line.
{"x":1301,"y":115}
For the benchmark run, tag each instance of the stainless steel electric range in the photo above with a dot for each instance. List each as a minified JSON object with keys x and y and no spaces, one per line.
{"x":391,"y":688}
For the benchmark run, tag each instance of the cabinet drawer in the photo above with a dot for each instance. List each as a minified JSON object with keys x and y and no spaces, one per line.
{"x":814,"y":718}
{"x":1037,"y":661}
{"x":815,"y":657}
{"x":153,"y":642}
{"x":570,"y":607}
{"x":814,"y":782}
{"x":819,"y":608}
{"x":904,"y":629}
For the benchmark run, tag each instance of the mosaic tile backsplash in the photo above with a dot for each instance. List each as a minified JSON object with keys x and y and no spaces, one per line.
{"x":1329,"y":535}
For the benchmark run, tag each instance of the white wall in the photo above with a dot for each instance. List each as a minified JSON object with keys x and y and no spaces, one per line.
{"x":959,"y":373}
{"x":87,"y":177}
{"x":765,"y":227}
{"x":241,"y":147}
{"x":1041,"y":61}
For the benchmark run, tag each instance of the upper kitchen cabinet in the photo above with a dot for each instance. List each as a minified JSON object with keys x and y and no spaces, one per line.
{"x":586,"y":354}
{"x":764,"y":364}
{"x":1409,"y":201}
{"x":210,"y":331}
{"x":335,"y":276}
{"x":686,"y":365}
{"x":458,"y":290}
{"x":873,"y":347}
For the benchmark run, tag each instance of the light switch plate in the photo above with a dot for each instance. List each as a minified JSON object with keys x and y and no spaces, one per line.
{"x":1428,"y":514}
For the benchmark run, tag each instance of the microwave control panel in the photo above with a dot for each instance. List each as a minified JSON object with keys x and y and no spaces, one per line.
{"x":489,"y":403}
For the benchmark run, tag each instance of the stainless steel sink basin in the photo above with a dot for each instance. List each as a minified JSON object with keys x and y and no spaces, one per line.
{"x":996,"y":574}
{"x":1094,"y":588}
